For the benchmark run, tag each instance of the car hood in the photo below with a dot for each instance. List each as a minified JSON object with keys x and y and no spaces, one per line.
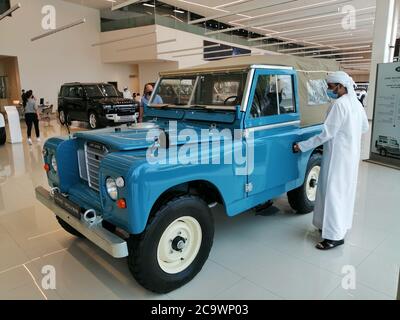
{"x":114,"y":101}
{"x":140,"y":136}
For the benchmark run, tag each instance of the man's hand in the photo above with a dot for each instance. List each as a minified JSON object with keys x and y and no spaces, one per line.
{"x":296,"y":148}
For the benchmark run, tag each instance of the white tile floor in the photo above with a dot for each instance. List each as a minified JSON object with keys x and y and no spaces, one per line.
{"x":254,"y":256}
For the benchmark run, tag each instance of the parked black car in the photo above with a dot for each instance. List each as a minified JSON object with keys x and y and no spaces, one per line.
{"x":99,"y":104}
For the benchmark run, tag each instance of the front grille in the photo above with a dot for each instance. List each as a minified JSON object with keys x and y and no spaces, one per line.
{"x":125,"y":108}
{"x":94,"y":153}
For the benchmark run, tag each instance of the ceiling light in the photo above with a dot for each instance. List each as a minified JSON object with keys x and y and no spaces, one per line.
{"x":148,"y":45}
{"x":73,"y":24}
{"x":179,"y":11}
{"x":122,"y":5}
{"x":121,"y":39}
{"x":235,"y":12}
{"x":303,"y":29}
{"x":149,"y":5}
{"x":330,"y":49}
{"x":203,"y":52}
{"x":343,"y":54}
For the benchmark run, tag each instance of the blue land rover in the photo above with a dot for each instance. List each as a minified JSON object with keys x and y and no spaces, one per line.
{"x":223,"y":134}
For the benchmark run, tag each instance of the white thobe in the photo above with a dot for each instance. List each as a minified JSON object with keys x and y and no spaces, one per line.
{"x":345,"y":123}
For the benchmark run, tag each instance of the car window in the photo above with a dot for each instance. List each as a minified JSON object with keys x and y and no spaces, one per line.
{"x":273,"y":96}
{"x":75,"y":92}
{"x":64,"y":91}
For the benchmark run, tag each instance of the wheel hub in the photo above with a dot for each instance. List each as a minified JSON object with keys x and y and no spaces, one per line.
{"x":312,"y":183}
{"x":178,"y":244}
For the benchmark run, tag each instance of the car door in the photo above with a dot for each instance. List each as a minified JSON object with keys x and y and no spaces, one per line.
{"x":80,"y":104}
{"x":272,"y":122}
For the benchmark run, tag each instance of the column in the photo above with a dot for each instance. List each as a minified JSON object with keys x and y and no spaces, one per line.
{"x":385,"y":32}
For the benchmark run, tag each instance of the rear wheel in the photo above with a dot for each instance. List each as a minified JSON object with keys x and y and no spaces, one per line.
{"x":383,"y":152}
{"x":303,"y":198}
{"x":3,"y":136}
{"x":175,"y":245}
{"x":69,"y":229}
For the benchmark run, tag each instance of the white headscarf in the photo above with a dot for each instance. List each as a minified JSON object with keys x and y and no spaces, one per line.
{"x":345,"y":80}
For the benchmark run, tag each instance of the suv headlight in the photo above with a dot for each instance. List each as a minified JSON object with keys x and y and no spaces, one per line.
{"x":54,"y":163}
{"x":111,"y":187}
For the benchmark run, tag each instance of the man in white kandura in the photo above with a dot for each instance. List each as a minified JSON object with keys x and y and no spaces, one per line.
{"x":345,"y":123}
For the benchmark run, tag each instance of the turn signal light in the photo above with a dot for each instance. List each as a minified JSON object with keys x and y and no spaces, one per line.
{"x":121,"y":203}
{"x":47,"y":167}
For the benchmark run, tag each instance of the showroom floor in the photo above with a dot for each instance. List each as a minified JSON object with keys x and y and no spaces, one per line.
{"x":267,"y":256}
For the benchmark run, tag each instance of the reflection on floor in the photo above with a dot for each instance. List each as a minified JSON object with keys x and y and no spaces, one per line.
{"x":254,"y":256}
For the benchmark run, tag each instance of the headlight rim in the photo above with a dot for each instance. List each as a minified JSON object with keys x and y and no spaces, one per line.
{"x":54,"y":164}
{"x":113,"y":194}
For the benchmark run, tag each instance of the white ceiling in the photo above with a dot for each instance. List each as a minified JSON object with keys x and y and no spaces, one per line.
{"x":316,"y":22}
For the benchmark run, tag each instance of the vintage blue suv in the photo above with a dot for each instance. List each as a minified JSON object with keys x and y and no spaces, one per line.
{"x":145,"y":191}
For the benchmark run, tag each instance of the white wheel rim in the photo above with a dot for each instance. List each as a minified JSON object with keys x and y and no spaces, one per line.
{"x":92,"y":121}
{"x":62,"y":117}
{"x":312,"y":183}
{"x":179,"y":245}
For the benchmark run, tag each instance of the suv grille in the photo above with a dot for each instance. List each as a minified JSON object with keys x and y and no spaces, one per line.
{"x":94,"y":153}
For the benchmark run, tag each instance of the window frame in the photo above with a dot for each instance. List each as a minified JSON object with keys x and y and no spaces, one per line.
{"x":279,"y":117}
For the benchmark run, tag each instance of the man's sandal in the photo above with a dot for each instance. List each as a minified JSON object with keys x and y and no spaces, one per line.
{"x":329,"y":244}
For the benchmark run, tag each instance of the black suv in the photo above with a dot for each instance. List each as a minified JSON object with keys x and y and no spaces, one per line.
{"x":100,"y":104}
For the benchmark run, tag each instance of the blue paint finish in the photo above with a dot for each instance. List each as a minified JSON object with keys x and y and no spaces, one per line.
{"x":276,"y":169}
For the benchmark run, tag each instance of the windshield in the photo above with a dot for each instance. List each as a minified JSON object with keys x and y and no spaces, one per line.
{"x":216,"y":89}
{"x":101,"y":90}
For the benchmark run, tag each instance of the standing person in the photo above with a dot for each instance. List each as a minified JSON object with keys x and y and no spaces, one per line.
{"x":147,"y":93}
{"x":341,"y":137}
{"x":31,"y":115}
{"x":127,"y":94}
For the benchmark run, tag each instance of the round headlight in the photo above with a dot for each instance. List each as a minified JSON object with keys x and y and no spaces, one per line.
{"x":111,"y":187}
{"x":54,"y":163}
{"x":120,"y":182}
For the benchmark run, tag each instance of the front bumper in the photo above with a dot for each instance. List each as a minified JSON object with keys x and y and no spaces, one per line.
{"x":104,"y":239}
{"x":122,"y":118}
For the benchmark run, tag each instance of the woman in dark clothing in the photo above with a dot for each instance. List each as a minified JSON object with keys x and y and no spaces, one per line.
{"x":31,"y":115}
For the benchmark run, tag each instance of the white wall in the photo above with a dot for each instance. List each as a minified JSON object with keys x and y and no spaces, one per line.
{"x":64,"y":57}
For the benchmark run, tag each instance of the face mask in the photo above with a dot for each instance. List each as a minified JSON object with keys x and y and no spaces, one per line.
{"x":331,"y":93}
{"x":149,"y":93}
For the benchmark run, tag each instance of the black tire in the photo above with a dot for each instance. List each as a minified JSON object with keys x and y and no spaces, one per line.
{"x":383,"y":152}
{"x":143,"y":249}
{"x":93,"y":124}
{"x":69,"y":229}
{"x":298,"y":198}
{"x":3,"y":136}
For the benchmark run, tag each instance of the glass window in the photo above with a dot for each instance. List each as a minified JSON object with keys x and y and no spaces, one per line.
{"x":108,"y":90}
{"x":273,"y":95}
{"x":317,"y":92}
{"x":93,"y":91}
{"x":211,"y":90}
{"x":75,"y":92}
{"x":176,"y":91}
{"x":220,"y":89}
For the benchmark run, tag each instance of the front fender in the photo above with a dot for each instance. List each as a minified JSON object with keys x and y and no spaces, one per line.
{"x":146,"y":182}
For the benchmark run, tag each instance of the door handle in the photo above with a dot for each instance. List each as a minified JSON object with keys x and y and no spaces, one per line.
{"x":293,"y":148}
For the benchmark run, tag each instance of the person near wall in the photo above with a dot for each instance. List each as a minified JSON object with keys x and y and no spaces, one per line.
{"x":31,"y":115}
{"x":341,"y":139}
{"x":147,"y":93}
